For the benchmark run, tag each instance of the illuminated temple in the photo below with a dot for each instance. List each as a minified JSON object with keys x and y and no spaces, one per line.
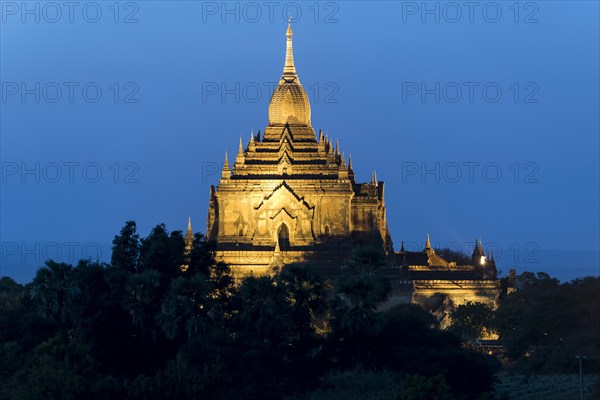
{"x":289,"y":195}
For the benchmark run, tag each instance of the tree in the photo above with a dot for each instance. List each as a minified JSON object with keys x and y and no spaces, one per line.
{"x":201,"y":256}
{"x":54,"y":289}
{"x":383,"y":384}
{"x":143,"y":329}
{"x":306,"y":294}
{"x":262,"y":327}
{"x":143,"y":301}
{"x":544,"y":324}
{"x":355,"y":323}
{"x":454,"y":256}
{"x":410,"y":342}
{"x":368,"y":257}
{"x":360,"y":296}
{"x":126,"y":248}
{"x":187,"y":310}
{"x":522,"y":319}
{"x":162,"y":252}
{"x":471,"y":321}
{"x":11,"y":293}
{"x":262,"y":311}
{"x":57,"y":369}
{"x":222,"y":286}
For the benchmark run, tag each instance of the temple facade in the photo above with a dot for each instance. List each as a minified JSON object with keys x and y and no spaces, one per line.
{"x":290,"y":196}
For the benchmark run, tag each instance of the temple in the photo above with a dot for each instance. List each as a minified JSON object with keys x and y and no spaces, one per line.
{"x":290,"y":196}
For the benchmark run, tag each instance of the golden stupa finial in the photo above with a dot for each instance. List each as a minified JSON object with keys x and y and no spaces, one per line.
{"x":289,"y":70}
{"x":189,"y":228}
{"x":428,"y":243}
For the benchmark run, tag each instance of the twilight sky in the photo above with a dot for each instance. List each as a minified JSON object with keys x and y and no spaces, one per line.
{"x":482,"y":119}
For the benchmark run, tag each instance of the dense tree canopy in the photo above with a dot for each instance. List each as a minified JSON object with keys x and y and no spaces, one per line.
{"x":545,"y":324}
{"x":142,"y":327}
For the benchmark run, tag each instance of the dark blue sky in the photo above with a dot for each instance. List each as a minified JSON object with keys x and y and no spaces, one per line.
{"x":482,"y":121}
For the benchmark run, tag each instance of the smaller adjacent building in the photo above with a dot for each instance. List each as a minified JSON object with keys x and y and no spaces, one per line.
{"x":438,"y":285}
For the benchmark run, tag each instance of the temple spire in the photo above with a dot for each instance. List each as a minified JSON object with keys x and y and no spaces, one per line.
{"x":350,"y":170}
{"x":239,"y":159}
{"x":226,"y":172}
{"x":289,"y":70}
{"x":374,"y":178}
{"x":478,"y":256}
{"x":189,"y":244}
{"x":428,"y":243}
{"x":189,"y":236}
{"x":479,"y":246}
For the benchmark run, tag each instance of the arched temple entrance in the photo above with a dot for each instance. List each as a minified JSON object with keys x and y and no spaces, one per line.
{"x":283,"y":237}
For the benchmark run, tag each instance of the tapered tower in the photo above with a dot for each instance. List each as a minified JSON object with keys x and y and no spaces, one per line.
{"x":290,"y":196}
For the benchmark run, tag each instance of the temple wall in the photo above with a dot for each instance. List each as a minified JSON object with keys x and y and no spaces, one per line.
{"x":254,"y":216}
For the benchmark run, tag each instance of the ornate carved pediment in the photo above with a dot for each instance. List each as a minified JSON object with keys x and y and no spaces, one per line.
{"x":284,"y":195}
{"x":285,"y":206}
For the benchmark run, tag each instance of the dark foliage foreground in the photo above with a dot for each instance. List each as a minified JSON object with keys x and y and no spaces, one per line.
{"x":140,"y":328}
